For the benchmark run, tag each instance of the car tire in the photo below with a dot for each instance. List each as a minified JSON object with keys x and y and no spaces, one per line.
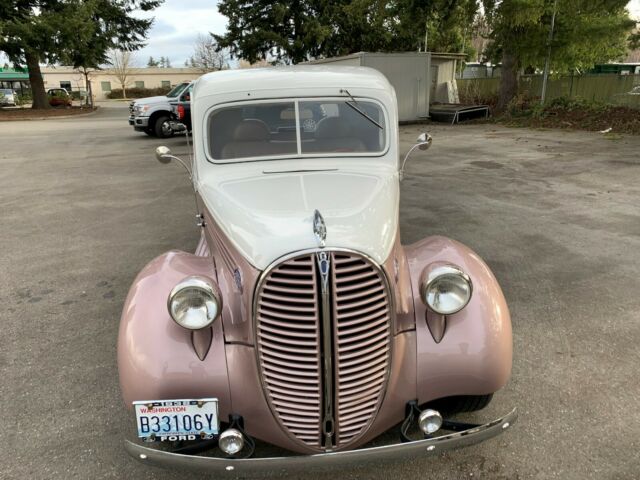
{"x":150,"y":132}
{"x":161,"y":127}
{"x":462,"y":403}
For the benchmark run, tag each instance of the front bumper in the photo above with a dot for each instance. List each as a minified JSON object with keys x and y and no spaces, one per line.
{"x":302,"y":463}
{"x":139,"y":123}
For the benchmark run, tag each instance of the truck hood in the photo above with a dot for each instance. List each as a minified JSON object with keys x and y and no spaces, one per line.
{"x":269,"y":215}
{"x":152,"y":100}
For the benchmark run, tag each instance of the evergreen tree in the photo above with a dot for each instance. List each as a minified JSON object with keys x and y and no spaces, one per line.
{"x":76,"y":31}
{"x":585,"y":33}
{"x":152,"y":62}
{"x":295,"y":31}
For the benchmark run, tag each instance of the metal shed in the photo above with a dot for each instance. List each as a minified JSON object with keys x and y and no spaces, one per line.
{"x":418,"y":78}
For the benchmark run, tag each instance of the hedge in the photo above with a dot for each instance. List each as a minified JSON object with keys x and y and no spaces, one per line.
{"x":139,"y":92}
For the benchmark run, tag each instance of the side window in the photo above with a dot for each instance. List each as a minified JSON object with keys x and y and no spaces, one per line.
{"x":66,"y":85}
{"x":106,"y":86}
{"x":186,"y":96}
{"x":139,"y":84}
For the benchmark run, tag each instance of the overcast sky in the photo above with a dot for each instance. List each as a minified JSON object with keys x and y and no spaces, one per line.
{"x":176,"y":26}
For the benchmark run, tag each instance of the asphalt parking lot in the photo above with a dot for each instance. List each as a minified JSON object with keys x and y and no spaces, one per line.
{"x":85,"y":206}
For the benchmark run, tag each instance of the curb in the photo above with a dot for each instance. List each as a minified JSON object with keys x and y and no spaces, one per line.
{"x":55,"y":117}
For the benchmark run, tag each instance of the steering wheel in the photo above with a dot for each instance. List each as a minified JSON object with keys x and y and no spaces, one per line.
{"x":309,"y":125}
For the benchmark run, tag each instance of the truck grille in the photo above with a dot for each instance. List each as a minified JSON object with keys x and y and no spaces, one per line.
{"x":302,"y":388}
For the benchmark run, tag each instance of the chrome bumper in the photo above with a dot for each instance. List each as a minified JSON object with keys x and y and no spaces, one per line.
{"x":139,"y":122}
{"x":302,"y":463}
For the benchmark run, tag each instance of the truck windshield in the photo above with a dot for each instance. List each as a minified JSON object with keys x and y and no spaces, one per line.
{"x":297,"y":128}
{"x":177,"y":90}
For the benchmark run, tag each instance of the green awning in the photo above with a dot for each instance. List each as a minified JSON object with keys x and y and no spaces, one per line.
{"x":12,"y":75}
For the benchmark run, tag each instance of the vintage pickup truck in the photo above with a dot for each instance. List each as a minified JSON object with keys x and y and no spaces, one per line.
{"x":300,"y":319}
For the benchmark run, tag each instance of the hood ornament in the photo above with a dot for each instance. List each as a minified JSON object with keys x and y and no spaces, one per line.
{"x":319,"y":228}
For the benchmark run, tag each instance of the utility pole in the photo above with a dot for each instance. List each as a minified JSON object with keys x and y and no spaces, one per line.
{"x":426,"y":36}
{"x":547,"y":63}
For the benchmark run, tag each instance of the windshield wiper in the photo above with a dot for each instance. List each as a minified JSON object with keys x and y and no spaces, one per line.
{"x":354,"y":105}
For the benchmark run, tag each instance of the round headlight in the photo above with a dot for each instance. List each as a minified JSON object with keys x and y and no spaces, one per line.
{"x":446,"y":289}
{"x":194,"y":303}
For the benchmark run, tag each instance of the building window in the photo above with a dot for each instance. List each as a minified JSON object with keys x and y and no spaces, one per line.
{"x":139,"y":84}
{"x":106,"y":86}
{"x":166,"y":83}
{"x":66,"y":85}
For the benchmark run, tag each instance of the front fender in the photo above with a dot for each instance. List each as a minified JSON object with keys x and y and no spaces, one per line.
{"x":156,"y":357}
{"x":474,"y":355}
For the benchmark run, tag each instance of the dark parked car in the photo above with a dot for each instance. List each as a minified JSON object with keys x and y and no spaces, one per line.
{"x":59,"y":97}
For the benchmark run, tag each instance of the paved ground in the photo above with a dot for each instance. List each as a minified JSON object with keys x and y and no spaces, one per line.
{"x":84,"y":206}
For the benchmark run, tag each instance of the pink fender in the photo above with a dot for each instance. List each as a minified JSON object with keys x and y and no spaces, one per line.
{"x":156,"y":357}
{"x":474,"y":355}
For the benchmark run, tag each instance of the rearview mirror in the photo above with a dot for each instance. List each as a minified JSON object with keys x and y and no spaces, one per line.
{"x":163,"y":154}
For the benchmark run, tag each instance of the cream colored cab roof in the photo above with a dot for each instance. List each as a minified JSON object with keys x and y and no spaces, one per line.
{"x":280,"y":81}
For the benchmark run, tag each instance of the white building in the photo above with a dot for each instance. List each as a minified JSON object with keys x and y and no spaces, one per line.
{"x":103,"y":81}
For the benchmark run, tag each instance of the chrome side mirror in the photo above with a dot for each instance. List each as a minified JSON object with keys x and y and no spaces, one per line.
{"x":163,"y":154}
{"x":423,"y":142}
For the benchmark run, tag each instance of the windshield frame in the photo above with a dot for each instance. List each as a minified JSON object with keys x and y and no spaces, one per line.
{"x":183,"y":85}
{"x":296,"y":101}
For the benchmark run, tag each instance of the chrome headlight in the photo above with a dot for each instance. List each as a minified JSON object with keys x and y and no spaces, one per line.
{"x":140,"y":109}
{"x":194,"y":303}
{"x":446,"y":289}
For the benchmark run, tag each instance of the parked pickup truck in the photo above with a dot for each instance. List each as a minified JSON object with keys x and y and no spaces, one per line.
{"x":181,"y":112}
{"x":152,"y":115}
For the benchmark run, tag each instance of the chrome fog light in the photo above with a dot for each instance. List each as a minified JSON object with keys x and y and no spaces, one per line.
{"x":430,"y":421}
{"x":194,"y":303}
{"x":231,"y":441}
{"x":446,"y":289}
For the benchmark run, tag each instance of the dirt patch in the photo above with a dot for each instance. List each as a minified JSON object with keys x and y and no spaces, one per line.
{"x":611,"y":119}
{"x":8,"y":114}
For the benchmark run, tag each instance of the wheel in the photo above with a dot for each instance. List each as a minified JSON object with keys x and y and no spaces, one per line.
{"x":462,"y":403}
{"x":162,"y":127}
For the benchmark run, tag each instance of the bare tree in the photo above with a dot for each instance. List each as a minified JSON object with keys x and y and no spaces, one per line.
{"x":480,"y":36}
{"x":206,"y":55}
{"x":122,"y":64}
{"x":259,"y":64}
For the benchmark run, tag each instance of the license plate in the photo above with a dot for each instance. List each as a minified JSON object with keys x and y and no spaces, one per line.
{"x":172,"y":420}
